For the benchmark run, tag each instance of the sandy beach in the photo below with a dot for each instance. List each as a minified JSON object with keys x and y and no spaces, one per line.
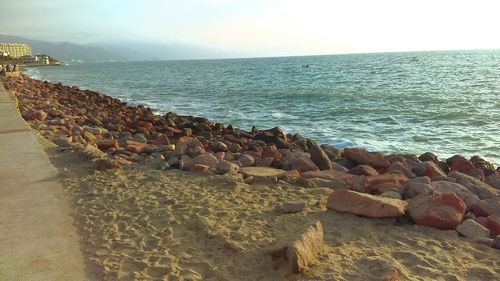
{"x":139,"y":220}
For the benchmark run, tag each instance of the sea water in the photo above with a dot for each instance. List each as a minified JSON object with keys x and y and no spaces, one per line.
{"x":444,"y":102}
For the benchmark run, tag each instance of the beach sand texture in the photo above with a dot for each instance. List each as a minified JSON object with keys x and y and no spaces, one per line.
{"x":142,"y":224}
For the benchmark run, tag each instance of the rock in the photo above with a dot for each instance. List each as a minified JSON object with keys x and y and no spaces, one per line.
{"x":403,"y":168}
{"x":328,"y":175}
{"x":333,"y":184}
{"x":487,"y":207}
{"x":39,"y":115}
{"x":363,"y":157}
{"x":331,"y":151}
{"x":264,"y":162}
{"x":471,"y":229}
{"x":273,"y":136}
{"x":365,"y":204}
{"x":95,"y":130}
{"x":441,"y":211}
{"x":468,"y":197}
{"x":306,"y":183}
{"x":107,"y":144}
{"x":190,"y":146}
{"x":392,"y":194}
{"x":493,"y":224}
{"x":226,"y":167}
{"x":218,"y":146}
{"x":428,"y":169}
{"x":185,"y":162}
{"x":106,"y":164}
{"x":319,"y":157}
{"x":474,"y":185}
{"x":304,"y":251}
{"x":364,"y":170}
{"x":496,"y":242}
{"x":246,"y":160}
{"x":135,"y":148}
{"x":397,"y":179}
{"x":161,"y":140}
{"x":291,"y":207}
{"x":388,"y":186}
{"x":262,"y":172}
{"x":234,"y":148}
{"x":291,"y":176}
{"x":303,"y":164}
{"x":480,"y":163}
{"x":199,"y":168}
{"x":462,"y":165}
{"x":488,"y":242}
{"x":89,"y":137}
{"x":337,"y":167}
{"x":428,"y":156}
{"x":206,"y":159}
{"x":92,"y":152}
{"x":494,"y":180}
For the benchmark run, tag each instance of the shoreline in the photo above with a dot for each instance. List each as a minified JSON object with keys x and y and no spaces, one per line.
{"x":129,"y":197}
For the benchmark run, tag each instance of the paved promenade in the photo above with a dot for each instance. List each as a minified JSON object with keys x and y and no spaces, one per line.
{"x":37,"y":238}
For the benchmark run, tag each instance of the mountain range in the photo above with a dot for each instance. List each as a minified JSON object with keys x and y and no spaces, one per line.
{"x":117,"y":51}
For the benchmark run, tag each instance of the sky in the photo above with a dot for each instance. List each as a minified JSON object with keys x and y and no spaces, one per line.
{"x":263,"y":27}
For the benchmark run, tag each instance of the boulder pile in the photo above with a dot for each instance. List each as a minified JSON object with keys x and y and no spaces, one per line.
{"x":444,"y":194}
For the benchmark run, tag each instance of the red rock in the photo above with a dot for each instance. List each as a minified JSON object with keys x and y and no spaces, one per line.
{"x":363,"y":170}
{"x":319,"y":157}
{"x":494,"y":225}
{"x":303,"y":164}
{"x":349,"y":201}
{"x":482,"y":221}
{"x":363,"y":157}
{"x":161,"y":140}
{"x":441,"y":211}
{"x":404,"y":168}
{"x":480,"y":163}
{"x":398,"y":179}
{"x":487,"y":207}
{"x":462,"y":165}
{"x":387,"y":186}
{"x":474,"y":185}
{"x":428,"y":169}
{"x":107,"y":144}
{"x":199,"y":168}
{"x":135,"y":148}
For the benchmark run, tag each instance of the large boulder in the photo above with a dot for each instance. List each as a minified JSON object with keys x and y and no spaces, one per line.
{"x":189,"y":146}
{"x":462,"y":165}
{"x":474,"y":185}
{"x":273,"y":136}
{"x":487,"y":207}
{"x":303,"y":164}
{"x":207,"y":159}
{"x":363,"y":204}
{"x":428,"y":169}
{"x":363,"y":157}
{"x":468,"y":197}
{"x":319,"y":157}
{"x":364,"y":170}
{"x":304,"y":251}
{"x":441,"y":211}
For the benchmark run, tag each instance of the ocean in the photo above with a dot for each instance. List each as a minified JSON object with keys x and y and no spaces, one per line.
{"x":444,"y":102}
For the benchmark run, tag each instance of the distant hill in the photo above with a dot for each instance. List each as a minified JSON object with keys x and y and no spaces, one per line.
{"x":65,"y":51}
{"x":116,"y":51}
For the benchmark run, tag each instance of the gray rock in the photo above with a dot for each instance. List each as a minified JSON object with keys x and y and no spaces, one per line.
{"x":140,"y":138}
{"x":246,"y":160}
{"x":481,"y":189}
{"x":496,"y":242}
{"x":291,"y":207}
{"x":392,"y":194}
{"x":461,"y":191}
{"x":412,"y":189}
{"x":472,"y":229}
{"x":304,"y":251}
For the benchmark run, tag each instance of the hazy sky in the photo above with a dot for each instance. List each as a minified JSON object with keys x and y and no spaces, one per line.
{"x":264,"y":27}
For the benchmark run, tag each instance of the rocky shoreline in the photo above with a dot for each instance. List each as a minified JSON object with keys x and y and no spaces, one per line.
{"x":457,"y":193}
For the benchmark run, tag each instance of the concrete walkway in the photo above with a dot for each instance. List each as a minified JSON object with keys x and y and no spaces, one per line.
{"x":37,"y":238}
